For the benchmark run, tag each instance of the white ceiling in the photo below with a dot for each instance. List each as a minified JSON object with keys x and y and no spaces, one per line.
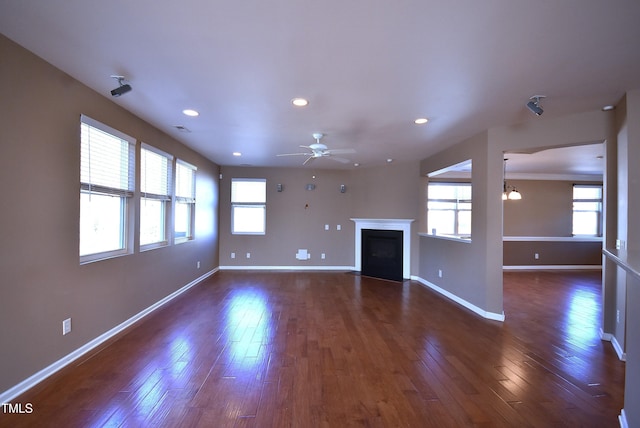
{"x":368,"y":68}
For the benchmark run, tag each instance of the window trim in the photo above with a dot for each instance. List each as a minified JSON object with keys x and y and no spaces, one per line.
{"x":164,"y":198}
{"x":250,"y":204}
{"x":456,"y":210}
{"x":126,"y":195}
{"x":599,"y":225}
{"x":189,"y":201}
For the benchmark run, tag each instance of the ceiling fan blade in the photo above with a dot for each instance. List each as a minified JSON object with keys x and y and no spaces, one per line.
{"x":309,"y":160}
{"x":341,"y":160}
{"x":295,"y":154}
{"x":341,"y":151}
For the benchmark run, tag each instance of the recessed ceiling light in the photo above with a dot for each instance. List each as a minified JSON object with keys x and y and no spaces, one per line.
{"x":608,"y":108}
{"x":356,"y":164}
{"x":237,"y":154}
{"x":190,"y":112}
{"x":299,"y":102}
{"x":389,"y":160}
{"x":421,"y":121}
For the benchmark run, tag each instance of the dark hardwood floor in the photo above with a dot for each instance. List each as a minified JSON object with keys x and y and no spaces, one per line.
{"x":299,"y":349}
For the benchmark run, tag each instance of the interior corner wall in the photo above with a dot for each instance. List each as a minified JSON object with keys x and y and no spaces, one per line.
{"x":472,"y":271}
{"x":628,"y":126}
{"x":41,"y":281}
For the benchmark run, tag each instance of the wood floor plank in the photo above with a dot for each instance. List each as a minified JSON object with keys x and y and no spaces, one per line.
{"x":334,"y":349}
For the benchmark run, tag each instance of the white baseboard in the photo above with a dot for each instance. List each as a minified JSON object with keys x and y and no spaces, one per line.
{"x":38,"y":377}
{"x":622,"y":419}
{"x":275,"y":268}
{"x":488,"y":315}
{"x":553,"y":267}
{"x":622,"y":356}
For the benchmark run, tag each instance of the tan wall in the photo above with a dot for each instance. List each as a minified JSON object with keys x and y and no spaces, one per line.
{"x":41,"y":280}
{"x":296,"y":217}
{"x":552,"y":253}
{"x":544,"y":210}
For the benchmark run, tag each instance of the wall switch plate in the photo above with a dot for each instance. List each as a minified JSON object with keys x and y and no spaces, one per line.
{"x":66,"y":326}
{"x":233,"y":255}
{"x":323,"y":256}
{"x":326,"y":227}
{"x":536,"y":256}
{"x":338,"y":227}
{"x":248,"y":255}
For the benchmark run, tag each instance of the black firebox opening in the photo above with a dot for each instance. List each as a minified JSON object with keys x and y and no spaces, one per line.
{"x":382,"y":254}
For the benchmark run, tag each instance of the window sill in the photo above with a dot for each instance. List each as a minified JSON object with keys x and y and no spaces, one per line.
{"x":457,"y":238}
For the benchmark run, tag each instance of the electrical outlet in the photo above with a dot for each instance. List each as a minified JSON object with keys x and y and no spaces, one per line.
{"x":618,"y":316}
{"x":338,"y":227}
{"x":233,"y":255}
{"x":66,"y":326}
{"x":323,"y":256}
{"x":248,"y":255}
{"x":326,"y":227}
{"x":536,"y":256}
{"x":439,"y":273}
{"x":198,"y":264}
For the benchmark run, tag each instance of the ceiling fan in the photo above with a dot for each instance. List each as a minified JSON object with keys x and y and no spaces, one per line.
{"x":319,"y":150}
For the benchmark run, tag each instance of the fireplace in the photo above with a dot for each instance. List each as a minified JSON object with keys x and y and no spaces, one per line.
{"x":382,"y":254}
{"x":381,"y":224}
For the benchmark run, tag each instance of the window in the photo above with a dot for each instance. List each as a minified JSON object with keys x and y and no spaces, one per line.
{"x":248,"y":206}
{"x":587,"y":210}
{"x":449,"y":209}
{"x":106,"y":188}
{"x":155,"y":199}
{"x":184,"y":216}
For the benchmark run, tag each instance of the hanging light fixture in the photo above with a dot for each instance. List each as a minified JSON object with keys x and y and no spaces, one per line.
{"x":508,"y":192}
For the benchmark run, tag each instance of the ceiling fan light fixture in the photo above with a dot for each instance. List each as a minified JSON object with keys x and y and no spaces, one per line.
{"x":514,"y":195}
{"x":508,"y":192}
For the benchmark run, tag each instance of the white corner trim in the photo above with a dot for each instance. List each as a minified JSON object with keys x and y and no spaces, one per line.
{"x":38,"y":377}
{"x":488,"y":315}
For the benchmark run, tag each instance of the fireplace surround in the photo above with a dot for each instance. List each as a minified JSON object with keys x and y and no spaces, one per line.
{"x":403,"y":225}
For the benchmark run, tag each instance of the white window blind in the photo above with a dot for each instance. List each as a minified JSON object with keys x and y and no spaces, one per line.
{"x":185,"y":182}
{"x":106,"y":159}
{"x":154,"y":173}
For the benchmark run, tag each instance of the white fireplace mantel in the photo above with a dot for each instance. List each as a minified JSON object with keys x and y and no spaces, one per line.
{"x":402,"y":224}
